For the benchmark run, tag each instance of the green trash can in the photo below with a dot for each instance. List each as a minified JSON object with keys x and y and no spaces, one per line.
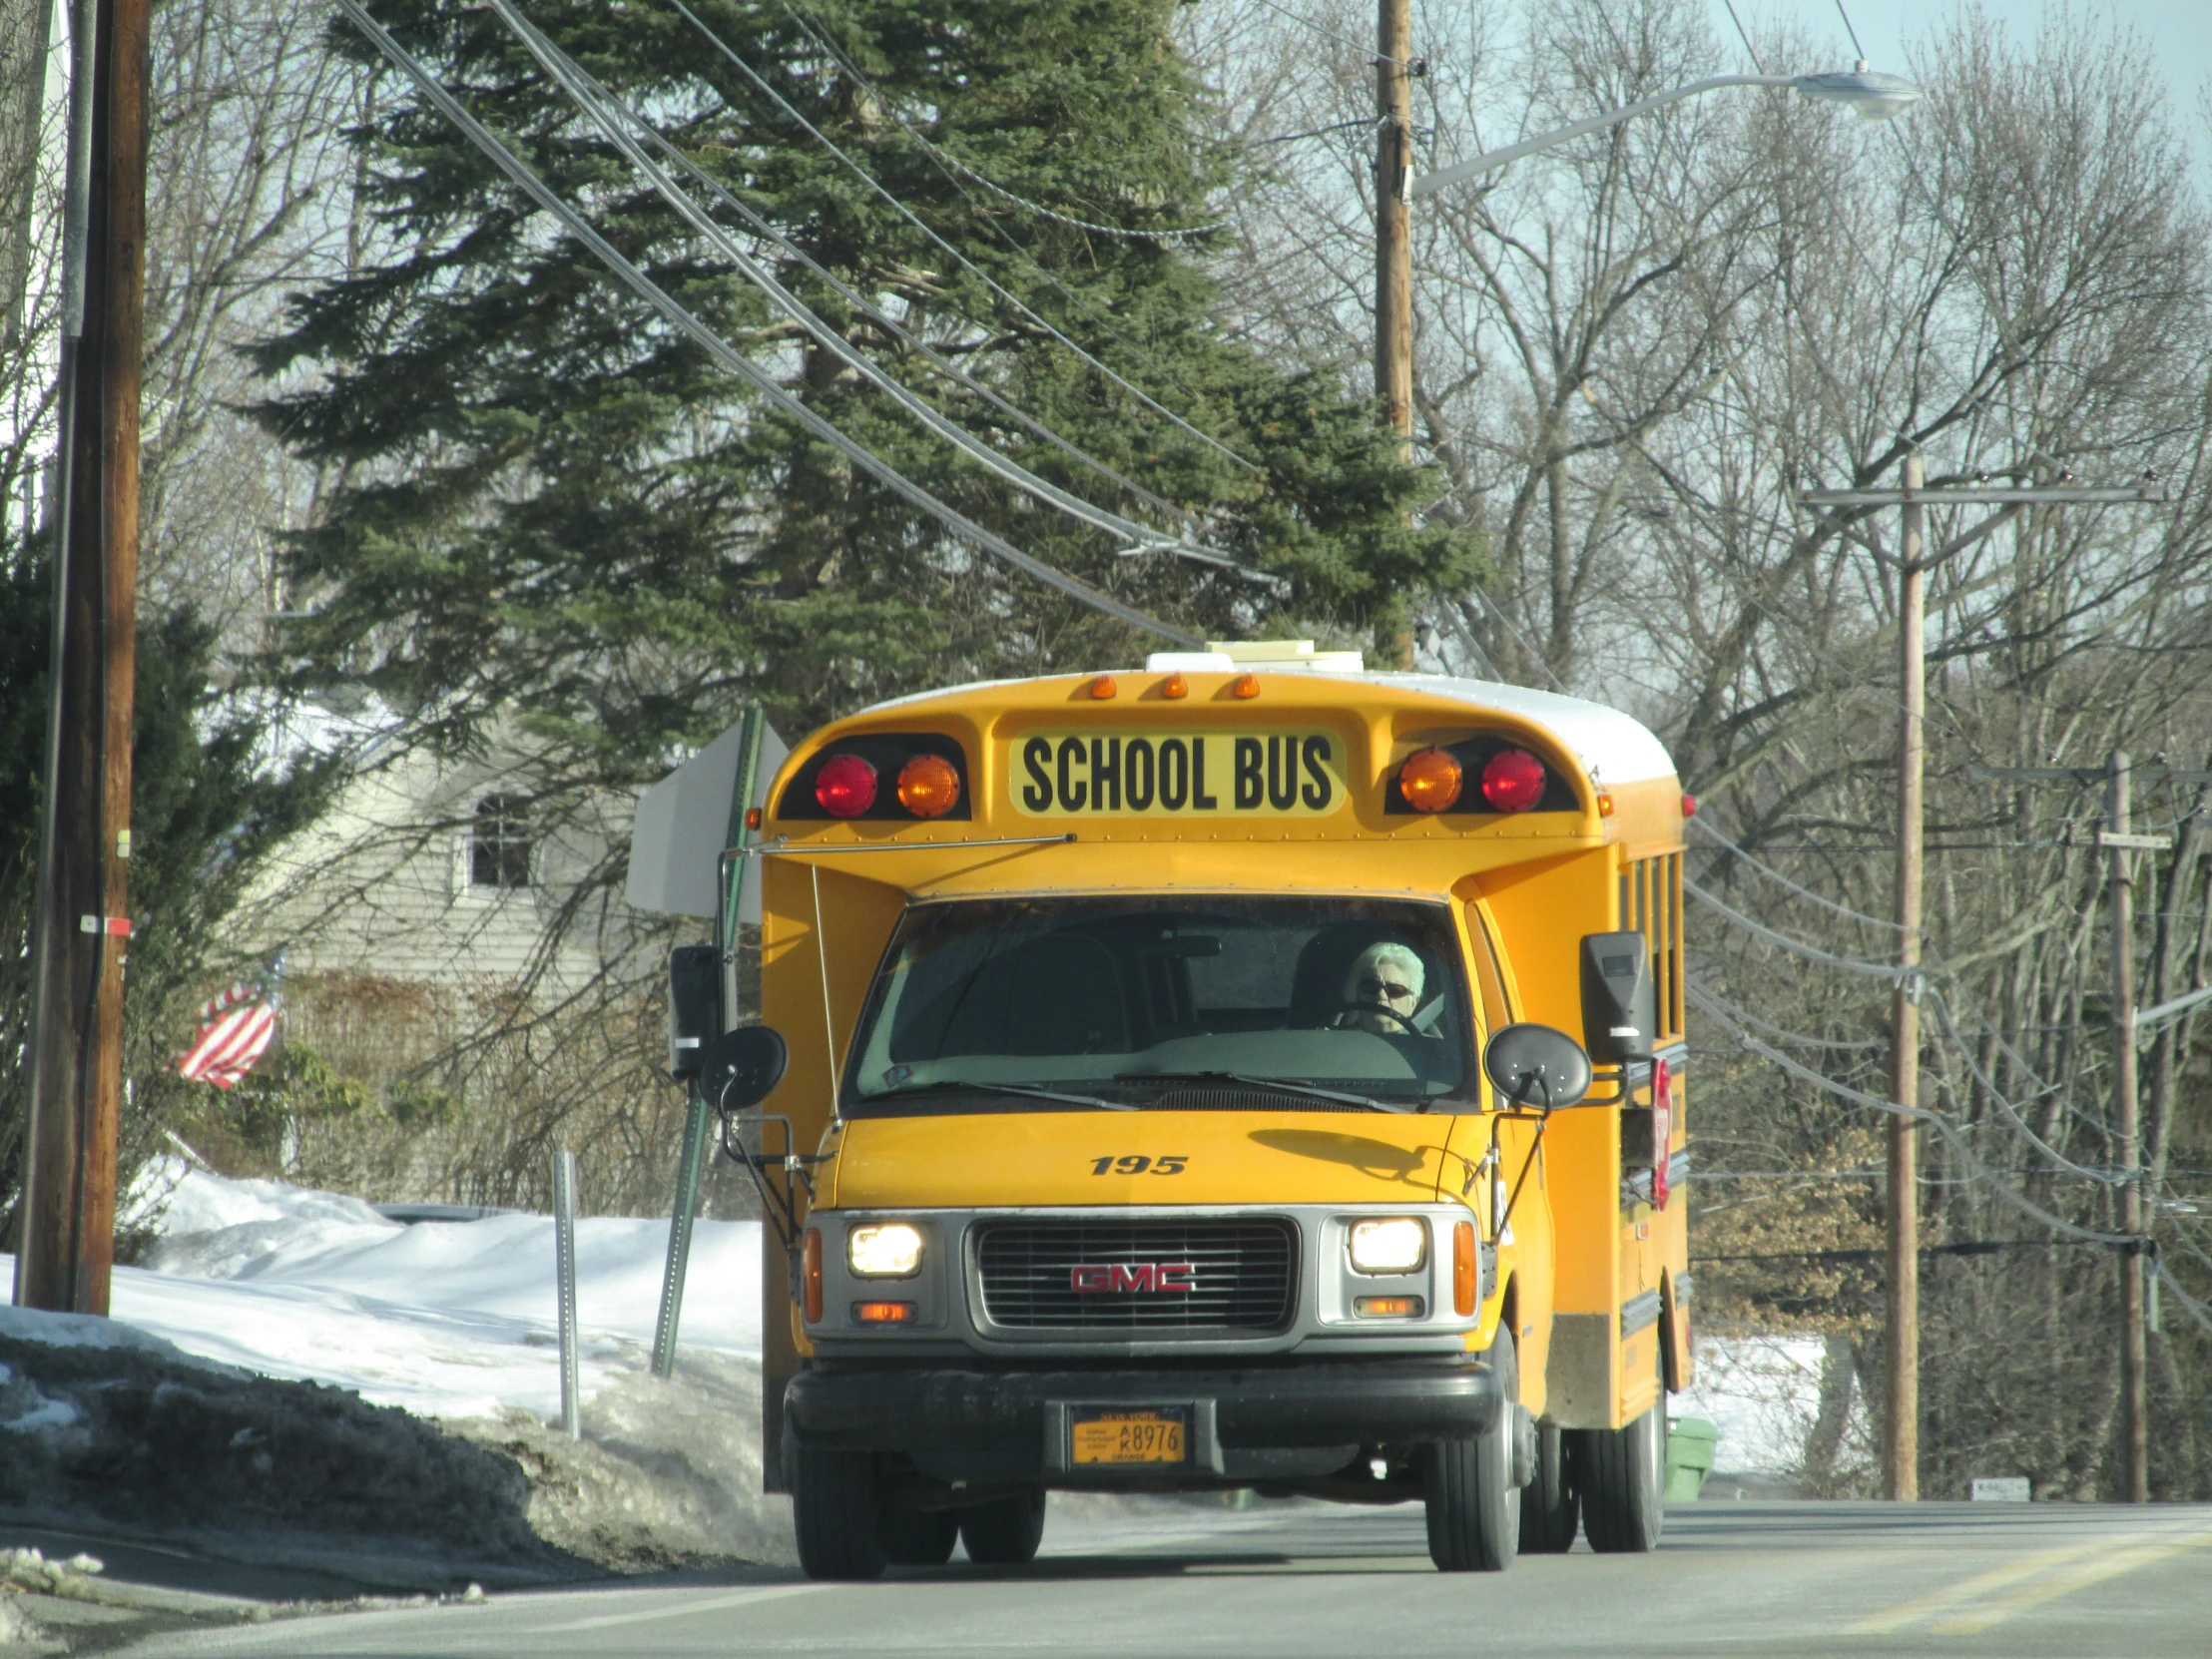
{"x":1690,"y":1443}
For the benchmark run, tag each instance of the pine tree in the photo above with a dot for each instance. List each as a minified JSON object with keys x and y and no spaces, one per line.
{"x":556,"y":509}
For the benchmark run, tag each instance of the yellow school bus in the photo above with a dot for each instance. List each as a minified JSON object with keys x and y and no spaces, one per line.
{"x":1165,"y":1083}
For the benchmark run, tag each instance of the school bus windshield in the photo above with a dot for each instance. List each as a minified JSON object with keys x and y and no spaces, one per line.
{"x":1178,"y":1002}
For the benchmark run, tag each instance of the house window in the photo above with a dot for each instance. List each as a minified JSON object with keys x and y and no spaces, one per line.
{"x":499,"y":843}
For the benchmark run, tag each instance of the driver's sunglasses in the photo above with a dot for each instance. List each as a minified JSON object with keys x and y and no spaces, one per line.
{"x":1371,"y":986}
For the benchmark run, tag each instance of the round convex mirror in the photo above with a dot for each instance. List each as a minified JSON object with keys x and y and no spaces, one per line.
{"x":741,"y":1067}
{"x":1534,"y":1065}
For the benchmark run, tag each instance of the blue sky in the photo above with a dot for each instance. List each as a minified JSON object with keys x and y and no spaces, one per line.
{"x":2179,"y":32}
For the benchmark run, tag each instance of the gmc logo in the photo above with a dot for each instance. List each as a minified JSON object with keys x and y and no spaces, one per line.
{"x":1087,"y":1278}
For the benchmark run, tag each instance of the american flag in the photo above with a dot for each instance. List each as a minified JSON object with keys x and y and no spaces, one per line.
{"x":237,"y":1027}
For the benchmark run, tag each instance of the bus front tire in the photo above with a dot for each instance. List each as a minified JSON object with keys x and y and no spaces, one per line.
{"x":917,"y":1537}
{"x":1474,"y":1514}
{"x":1622,"y":1478}
{"x":1006,"y":1531}
{"x":835,"y":1513}
{"x":1550,"y":1508}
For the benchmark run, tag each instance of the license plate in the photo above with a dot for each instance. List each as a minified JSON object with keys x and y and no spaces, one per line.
{"x":1127,"y":1437}
{"x":1296,"y":774}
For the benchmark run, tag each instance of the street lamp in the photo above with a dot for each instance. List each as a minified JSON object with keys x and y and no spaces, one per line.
{"x":1868,"y":91}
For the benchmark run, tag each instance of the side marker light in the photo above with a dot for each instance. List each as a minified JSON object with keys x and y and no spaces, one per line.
{"x":1463,"y":1269}
{"x":753,"y":818}
{"x":810,"y":1273}
{"x":1245,"y":685}
{"x":1689,"y":805}
{"x":1103,"y":687}
{"x":1604,"y":805}
{"x":1175,"y":686}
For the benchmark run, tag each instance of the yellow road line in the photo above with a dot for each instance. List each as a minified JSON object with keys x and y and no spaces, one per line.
{"x":2078,"y":1577}
{"x":1958,"y":1596}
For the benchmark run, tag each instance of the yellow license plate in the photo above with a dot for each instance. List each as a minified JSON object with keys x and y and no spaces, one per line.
{"x":1128,"y":1438}
{"x":1187,"y":775}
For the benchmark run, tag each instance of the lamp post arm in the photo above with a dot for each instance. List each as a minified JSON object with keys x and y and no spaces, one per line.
{"x":1430,"y":183}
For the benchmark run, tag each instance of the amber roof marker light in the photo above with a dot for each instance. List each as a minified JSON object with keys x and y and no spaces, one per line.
{"x":1245,"y":685}
{"x":929,"y":785}
{"x":1431,"y":780}
{"x":1175,"y":686}
{"x":1103,"y":687}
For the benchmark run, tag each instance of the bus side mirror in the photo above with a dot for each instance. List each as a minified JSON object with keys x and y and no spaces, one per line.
{"x":1533,"y":1065}
{"x":1620,"y":1006}
{"x":743,"y":1067}
{"x":694,"y":1007}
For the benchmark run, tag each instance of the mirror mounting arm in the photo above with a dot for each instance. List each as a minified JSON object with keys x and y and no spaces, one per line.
{"x":1625,"y":1081}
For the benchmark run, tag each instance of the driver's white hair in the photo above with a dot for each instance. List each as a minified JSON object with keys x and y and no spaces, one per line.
{"x":1400,"y":956}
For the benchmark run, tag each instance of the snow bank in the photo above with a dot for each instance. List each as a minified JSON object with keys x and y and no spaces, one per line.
{"x":1762,"y":1393}
{"x":449,"y":1320}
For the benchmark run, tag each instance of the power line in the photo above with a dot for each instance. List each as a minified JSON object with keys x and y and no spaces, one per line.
{"x":882,"y":320}
{"x":814,"y":31}
{"x":1326,"y":33}
{"x":721,"y":351}
{"x":965,"y":264}
{"x":557,"y":64}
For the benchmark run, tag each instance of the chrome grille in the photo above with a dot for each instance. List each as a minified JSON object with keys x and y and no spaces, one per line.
{"x":1242,"y":1275}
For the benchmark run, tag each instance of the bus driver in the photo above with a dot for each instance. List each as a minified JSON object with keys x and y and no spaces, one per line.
{"x":1383,"y":989}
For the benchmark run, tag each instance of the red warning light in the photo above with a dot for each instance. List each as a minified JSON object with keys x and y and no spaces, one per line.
{"x":1514,"y":782}
{"x":845,"y":785}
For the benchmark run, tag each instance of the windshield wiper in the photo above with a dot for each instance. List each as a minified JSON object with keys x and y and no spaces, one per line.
{"x":1283,"y":1083}
{"x":1026,"y":1089}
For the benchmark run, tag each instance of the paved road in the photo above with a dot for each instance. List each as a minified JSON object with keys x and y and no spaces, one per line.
{"x":1799,"y":1579}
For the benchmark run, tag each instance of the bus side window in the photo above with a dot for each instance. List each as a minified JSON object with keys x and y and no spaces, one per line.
{"x":1489,"y":981}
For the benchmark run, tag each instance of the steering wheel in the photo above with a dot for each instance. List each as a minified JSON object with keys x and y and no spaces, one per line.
{"x":1347,"y":1012}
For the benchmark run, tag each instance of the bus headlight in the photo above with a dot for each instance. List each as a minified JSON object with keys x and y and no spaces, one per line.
{"x":1389,"y":1244}
{"x":883,"y":1249}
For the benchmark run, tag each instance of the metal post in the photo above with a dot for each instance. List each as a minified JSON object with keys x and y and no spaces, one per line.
{"x":1394,"y":255}
{"x":699,"y":1113}
{"x":1902,"y":1428}
{"x":697,"y":1120}
{"x":81,"y":921}
{"x":564,"y":1273}
{"x":2134,"y":1356}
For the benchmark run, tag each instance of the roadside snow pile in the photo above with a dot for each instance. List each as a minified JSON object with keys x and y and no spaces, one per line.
{"x":270,"y":1363}
{"x":449,"y":1320}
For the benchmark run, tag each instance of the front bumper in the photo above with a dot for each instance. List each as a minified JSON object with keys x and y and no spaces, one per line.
{"x":1249,"y":1422}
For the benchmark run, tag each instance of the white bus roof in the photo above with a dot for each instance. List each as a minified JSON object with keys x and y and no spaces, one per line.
{"x":1612,"y":748}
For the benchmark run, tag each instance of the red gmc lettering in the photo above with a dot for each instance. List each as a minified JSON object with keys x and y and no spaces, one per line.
{"x":1090,"y":1278}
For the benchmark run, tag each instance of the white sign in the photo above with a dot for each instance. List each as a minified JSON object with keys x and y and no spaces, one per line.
{"x":683,"y":825}
{"x":2009,"y":1488}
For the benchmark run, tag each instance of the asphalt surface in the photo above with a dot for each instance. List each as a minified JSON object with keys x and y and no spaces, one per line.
{"x":1280,"y":1582}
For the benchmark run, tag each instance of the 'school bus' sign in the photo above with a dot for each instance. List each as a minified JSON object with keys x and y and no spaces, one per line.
{"x":1155,"y":775}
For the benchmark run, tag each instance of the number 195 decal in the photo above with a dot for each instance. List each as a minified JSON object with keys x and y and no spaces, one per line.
{"x":1136,"y":1163}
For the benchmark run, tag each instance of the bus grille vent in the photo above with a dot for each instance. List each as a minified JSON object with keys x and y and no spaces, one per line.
{"x":1115,"y":1276}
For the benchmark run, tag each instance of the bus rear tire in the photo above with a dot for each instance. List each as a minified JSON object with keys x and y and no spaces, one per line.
{"x":1474,"y":1514}
{"x":1622,"y":1475}
{"x":1006,"y":1531}
{"x":835,"y":1513}
{"x":1550,"y":1508}
{"x":917,"y":1537}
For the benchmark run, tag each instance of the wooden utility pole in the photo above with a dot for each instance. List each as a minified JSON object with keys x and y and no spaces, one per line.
{"x":1900,"y":1472}
{"x":1901,"y":1433}
{"x":1394,"y":252}
{"x":2120,"y":841}
{"x":81,"y":930}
